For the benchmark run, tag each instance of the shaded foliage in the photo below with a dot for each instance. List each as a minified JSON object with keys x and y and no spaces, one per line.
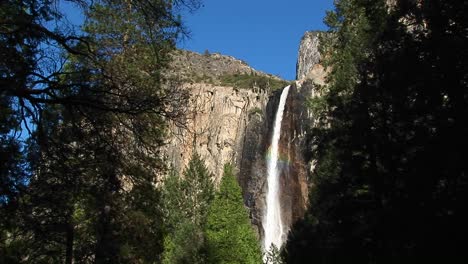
{"x":391,"y":180}
{"x":92,"y":105}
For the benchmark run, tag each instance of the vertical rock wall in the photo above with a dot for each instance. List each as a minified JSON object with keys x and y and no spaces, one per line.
{"x":216,"y":123}
{"x":308,"y":55}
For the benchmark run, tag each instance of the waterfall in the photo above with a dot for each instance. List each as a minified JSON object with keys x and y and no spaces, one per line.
{"x":274,"y":231}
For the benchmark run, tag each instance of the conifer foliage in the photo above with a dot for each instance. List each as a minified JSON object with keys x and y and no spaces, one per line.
{"x":185,"y":206}
{"x":391,"y":178}
{"x":83,"y":113}
{"x":229,"y":234}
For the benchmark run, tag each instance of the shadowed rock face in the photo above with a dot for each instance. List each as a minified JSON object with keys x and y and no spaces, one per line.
{"x":295,"y":158}
{"x":294,"y":175}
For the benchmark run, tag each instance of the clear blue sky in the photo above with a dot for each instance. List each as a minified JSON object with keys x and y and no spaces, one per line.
{"x":264,"y":33}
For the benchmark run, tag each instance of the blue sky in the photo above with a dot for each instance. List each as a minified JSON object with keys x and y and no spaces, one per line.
{"x":264,"y":33}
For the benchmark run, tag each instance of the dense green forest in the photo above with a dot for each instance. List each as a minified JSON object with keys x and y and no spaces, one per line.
{"x":391,"y":182}
{"x":84,"y":112}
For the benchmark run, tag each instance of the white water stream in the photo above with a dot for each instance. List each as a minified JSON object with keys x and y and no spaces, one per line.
{"x":274,"y":231}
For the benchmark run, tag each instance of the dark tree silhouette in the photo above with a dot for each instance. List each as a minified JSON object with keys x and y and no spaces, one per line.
{"x":391,"y":180}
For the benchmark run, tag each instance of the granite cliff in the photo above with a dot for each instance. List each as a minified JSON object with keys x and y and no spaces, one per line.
{"x":225,"y":96}
{"x":308,"y":65}
{"x":215,"y":127}
{"x":230,"y":123}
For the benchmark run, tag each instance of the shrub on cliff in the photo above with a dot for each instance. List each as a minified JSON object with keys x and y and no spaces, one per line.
{"x":248,"y":81}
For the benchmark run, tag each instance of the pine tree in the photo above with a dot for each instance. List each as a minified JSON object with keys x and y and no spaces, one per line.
{"x":185,"y":205}
{"x":229,"y":234}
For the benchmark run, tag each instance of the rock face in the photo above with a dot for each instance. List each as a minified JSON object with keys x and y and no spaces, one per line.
{"x":294,"y":180}
{"x":308,"y":55}
{"x":216,"y":123}
{"x":211,"y":64}
{"x":217,"y":115}
{"x":309,"y":67}
{"x":192,"y":67}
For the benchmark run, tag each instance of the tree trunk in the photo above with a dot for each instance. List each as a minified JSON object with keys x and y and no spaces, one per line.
{"x":103,"y":242}
{"x":69,"y":244}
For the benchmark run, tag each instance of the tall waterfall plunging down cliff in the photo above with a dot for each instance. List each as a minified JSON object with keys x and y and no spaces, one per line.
{"x":273,"y":228}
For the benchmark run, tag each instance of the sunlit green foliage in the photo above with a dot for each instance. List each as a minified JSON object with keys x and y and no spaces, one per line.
{"x":185,"y":206}
{"x":229,"y":234}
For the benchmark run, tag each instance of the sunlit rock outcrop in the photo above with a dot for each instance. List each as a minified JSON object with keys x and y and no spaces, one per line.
{"x":309,"y":65}
{"x":216,"y":122}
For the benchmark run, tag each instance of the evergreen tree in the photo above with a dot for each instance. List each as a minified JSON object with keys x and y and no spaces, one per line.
{"x":13,"y":181}
{"x":186,"y":201}
{"x":389,"y":178}
{"x":95,"y":108}
{"x":229,"y":234}
{"x":273,"y":256}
